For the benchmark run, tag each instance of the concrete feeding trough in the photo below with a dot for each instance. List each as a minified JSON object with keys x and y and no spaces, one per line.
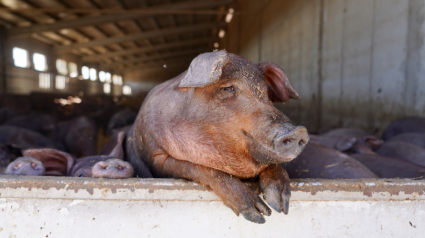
{"x":86,"y":207}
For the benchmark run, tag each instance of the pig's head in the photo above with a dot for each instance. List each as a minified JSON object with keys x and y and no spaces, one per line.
{"x":25,"y":165}
{"x":56,"y":163}
{"x":233,"y":99}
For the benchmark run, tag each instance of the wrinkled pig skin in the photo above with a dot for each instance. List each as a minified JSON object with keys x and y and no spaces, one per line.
{"x":24,"y":138}
{"x":404,"y":125}
{"x":404,"y":151}
{"x":412,"y":138}
{"x":317,"y":161}
{"x":215,"y":124}
{"x":78,"y":136}
{"x":120,"y":119}
{"x":105,"y":166}
{"x":28,"y":166}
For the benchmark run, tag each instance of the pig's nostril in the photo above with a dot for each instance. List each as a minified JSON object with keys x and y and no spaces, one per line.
{"x":120,"y":168}
{"x":286,"y":141}
{"x":302,"y":142}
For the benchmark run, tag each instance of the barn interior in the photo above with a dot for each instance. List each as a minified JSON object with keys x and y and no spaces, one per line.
{"x":354,"y":63}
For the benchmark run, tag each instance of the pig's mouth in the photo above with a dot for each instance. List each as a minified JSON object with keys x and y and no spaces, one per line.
{"x":267,"y":154}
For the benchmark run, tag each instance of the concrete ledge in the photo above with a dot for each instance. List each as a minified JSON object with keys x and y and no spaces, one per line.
{"x":177,"y":189}
{"x":86,"y":207}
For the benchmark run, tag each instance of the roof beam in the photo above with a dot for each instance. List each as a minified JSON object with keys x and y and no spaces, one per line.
{"x":162,"y":56}
{"x":101,"y":57}
{"x":128,"y":15}
{"x":139,"y":36}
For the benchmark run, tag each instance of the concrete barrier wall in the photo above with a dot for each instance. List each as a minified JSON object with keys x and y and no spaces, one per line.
{"x":84,"y":207}
{"x":358,"y":63}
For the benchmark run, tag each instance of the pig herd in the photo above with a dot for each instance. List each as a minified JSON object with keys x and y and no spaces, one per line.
{"x":214,"y":124}
{"x":37,"y":144}
{"x":350,"y":153}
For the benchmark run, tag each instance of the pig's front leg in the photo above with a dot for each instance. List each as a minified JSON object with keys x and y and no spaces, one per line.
{"x":235,"y":194}
{"x":274,"y":181}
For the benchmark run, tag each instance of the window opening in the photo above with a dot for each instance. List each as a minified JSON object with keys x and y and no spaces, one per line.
{"x":20,"y":57}
{"x":39,"y":61}
{"x":61,"y":66}
{"x":44,"y":80}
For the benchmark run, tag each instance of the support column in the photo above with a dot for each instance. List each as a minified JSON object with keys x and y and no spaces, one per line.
{"x":3,"y":78}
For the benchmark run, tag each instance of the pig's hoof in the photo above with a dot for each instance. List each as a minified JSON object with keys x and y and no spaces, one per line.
{"x":277,"y":199}
{"x":253,"y":215}
{"x":251,"y":206}
{"x":276,"y":189}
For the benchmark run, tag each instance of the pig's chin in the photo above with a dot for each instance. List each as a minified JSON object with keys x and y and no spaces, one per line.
{"x":265,"y":154}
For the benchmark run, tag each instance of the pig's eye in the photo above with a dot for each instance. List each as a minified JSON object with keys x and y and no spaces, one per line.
{"x":228,"y":89}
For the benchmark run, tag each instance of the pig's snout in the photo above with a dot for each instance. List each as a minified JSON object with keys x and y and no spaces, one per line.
{"x":112,"y":168}
{"x":289,"y":143}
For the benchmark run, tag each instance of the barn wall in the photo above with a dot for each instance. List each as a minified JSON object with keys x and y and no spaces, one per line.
{"x":25,"y":80}
{"x":357,"y":63}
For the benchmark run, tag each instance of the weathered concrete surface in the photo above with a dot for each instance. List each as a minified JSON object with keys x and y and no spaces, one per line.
{"x":355,"y":63}
{"x":81,"y":207}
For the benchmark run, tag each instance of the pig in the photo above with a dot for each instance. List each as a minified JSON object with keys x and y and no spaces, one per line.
{"x":216,"y":124}
{"x":383,"y":166}
{"x":105,"y":166}
{"x":56,"y":162}
{"x":356,"y":132}
{"x":26,"y":165}
{"x":404,"y":125}
{"x":120,"y":119}
{"x":24,"y":138}
{"x":404,"y":151}
{"x":337,"y":142}
{"x":59,"y":163}
{"x":78,"y":136}
{"x":41,"y":123}
{"x":412,"y":138}
{"x":318,"y":161}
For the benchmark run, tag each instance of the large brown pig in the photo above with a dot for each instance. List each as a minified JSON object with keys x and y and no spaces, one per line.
{"x":215,"y":124}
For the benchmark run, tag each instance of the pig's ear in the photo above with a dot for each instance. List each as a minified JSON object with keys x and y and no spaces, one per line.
{"x":57,"y":163}
{"x":205,"y":69}
{"x":280,"y":89}
{"x":118,"y":151}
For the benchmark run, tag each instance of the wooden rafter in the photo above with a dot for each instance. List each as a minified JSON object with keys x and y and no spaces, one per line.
{"x":162,"y":56}
{"x":123,"y":14}
{"x":143,"y":35}
{"x":101,"y":57}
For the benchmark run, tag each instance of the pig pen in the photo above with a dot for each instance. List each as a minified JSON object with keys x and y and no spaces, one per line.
{"x":85,"y":207}
{"x":354,"y":63}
